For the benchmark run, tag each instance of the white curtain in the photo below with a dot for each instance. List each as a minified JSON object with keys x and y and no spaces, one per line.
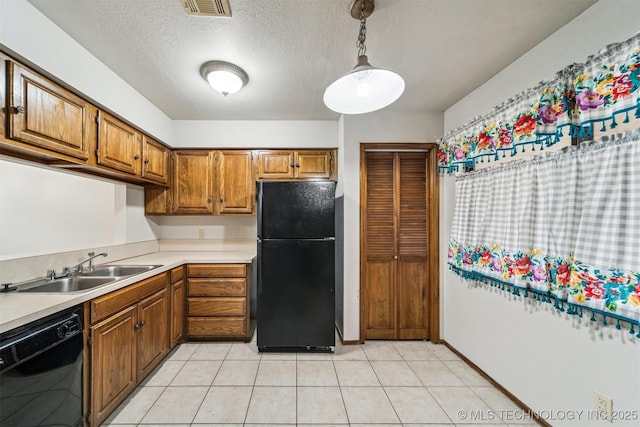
{"x":564,"y":226}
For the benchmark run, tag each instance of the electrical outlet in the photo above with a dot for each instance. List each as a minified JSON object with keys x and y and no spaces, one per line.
{"x":603,"y":405}
{"x":200,"y":233}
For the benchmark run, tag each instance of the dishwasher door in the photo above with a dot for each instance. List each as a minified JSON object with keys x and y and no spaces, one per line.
{"x":41,"y":372}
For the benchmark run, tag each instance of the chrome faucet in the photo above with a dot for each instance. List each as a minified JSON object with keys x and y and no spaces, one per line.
{"x":70,"y":271}
{"x":78,"y":268}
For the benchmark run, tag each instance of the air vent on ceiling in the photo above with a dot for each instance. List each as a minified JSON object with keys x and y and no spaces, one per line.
{"x":207,"y":7}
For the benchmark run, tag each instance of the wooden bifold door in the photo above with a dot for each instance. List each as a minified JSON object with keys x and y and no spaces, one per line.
{"x":395,"y":247}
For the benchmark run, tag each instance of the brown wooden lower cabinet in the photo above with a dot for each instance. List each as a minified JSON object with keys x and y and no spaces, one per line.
{"x":129,"y":336}
{"x":178,"y":293}
{"x":132,"y":329}
{"x":113,"y":363}
{"x":218,"y":301}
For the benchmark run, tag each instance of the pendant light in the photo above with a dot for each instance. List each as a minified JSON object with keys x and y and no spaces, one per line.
{"x":225,"y":77}
{"x":365,"y":88}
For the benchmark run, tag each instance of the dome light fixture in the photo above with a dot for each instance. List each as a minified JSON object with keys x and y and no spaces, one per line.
{"x":365,"y":88}
{"x":225,"y":77}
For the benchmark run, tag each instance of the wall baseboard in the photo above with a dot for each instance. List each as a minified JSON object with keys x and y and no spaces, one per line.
{"x":499,"y":386}
{"x":347,"y":342}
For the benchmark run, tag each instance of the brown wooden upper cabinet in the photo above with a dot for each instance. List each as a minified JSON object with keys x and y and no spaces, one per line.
{"x":119,"y":145}
{"x":193,"y":185}
{"x":46,"y":116}
{"x":236,"y":184}
{"x":296,"y":164}
{"x":155,"y":161}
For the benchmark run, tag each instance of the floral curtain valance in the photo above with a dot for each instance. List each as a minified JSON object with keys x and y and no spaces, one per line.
{"x":601,"y":92}
{"x":557,"y":227}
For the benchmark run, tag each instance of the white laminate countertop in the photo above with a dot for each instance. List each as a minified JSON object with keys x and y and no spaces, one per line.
{"x":20,"y":308}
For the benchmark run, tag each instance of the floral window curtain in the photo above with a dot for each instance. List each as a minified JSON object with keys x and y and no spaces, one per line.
{"x":563,"y":227}
{"x":601,"y":92}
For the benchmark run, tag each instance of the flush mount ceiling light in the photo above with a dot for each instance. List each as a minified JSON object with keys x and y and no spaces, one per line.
{"x":225,"y":77}
{"x":365,"y":88}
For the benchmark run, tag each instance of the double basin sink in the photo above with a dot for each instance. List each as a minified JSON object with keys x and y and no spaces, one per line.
{"x":84,"y":281}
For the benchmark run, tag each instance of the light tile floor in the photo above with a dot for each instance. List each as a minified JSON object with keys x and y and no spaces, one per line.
{"x":410,"y":383}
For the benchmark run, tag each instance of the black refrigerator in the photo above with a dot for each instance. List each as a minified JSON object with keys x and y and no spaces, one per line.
{"x":296,"y":265}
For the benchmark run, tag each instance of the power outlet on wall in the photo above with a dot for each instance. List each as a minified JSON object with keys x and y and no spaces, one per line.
{"x":200,"y":233}
{"x":603,"y":405}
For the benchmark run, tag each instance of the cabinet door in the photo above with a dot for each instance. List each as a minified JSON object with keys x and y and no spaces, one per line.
{"x":153,"y":331}
{"x":45,"y":115}
{"x":395,"y":250}
{"x":4,"y":65}
{"x":113,"y":362}
{"x":236,"y":186}
{"x":177,"y":311}
{"x":155,"y":163}
{"x":313,"y":164}
{"x":193,"y":182}
{"x":276,"y":164}
{"x":119,"y":145}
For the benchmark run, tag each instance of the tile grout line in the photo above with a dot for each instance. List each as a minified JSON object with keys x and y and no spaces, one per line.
{"x":208,"y":389}
{"x":427,"y":387}
{"x":382,"y":387}
{"x":246,"y":414}
{"x":344,"y":405}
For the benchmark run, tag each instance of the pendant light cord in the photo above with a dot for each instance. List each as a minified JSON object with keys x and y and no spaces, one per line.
{"x":362,"y":35}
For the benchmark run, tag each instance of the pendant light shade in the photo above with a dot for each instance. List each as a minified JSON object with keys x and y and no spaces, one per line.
{"x":365,"y":88}
{"x":225,"y":77}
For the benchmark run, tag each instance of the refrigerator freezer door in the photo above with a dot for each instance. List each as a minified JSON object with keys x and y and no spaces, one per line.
{"x":296,"y":286}
{"x":296,"y":210}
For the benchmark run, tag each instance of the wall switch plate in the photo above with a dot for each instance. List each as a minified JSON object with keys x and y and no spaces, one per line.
{"x":603,"y":405}
{"x":201,"y":233}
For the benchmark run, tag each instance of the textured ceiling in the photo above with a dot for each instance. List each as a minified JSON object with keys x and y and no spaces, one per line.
{"x":293,"y":49}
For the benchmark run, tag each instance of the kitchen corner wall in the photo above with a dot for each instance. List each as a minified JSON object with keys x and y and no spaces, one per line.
{"x":551,"y":361}
{"x":45,"y":210}
{"x":380,"y":126}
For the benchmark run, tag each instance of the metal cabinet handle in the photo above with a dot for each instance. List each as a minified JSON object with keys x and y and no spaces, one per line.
{"x":136,"y":157}
{"x":16,"y":110}
{"x":221,"y":200}
{"x":208,"y":199}
{"x":139,"y":325}
{"x":146,"y":161}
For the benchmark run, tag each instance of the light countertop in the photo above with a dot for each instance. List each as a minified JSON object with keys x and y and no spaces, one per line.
{"x":19,"y":308}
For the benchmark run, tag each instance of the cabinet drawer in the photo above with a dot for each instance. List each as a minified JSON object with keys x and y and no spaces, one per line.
{"x":216,"y":270}
{"x":226,"y":306}
{"x":217,"y":287}
{"x":216,"y":326}
{"x":108,"y":304}
{"x":177,"y":274}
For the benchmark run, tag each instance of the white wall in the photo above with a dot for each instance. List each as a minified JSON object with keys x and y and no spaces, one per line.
{"x":380,"y":126}
{"x":44,"y":211}
{"x":256,"y":133}
{"x":28,"y":33}
{"x":213,"y":227}
{"x":549,"y":360}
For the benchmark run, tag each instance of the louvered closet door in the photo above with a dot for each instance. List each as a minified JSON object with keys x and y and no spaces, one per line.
{"x":395,"y":246}
{"x":380,"y":269}
{"x":411,"y":289}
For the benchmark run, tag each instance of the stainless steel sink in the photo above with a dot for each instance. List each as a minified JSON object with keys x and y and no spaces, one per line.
{"x":117,"y":270}
{"x":102,"y":275}
{"x":67,"y":284}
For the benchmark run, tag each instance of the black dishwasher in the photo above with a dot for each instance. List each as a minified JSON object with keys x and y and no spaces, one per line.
{"x":41,"y":372}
